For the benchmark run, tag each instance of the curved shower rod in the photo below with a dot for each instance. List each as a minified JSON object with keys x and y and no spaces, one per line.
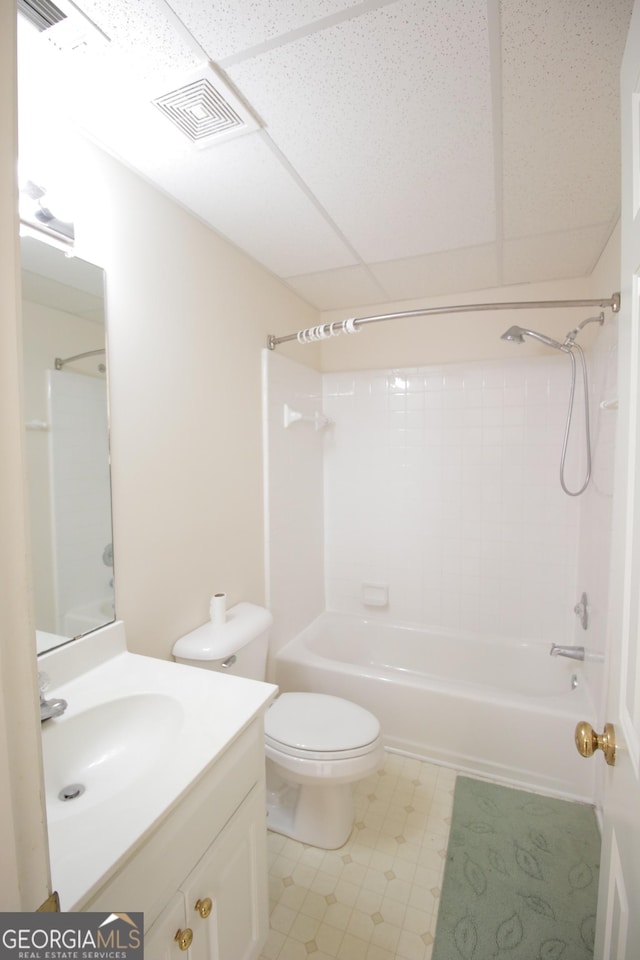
{"x":352,"y":325}
{"x":59,"y":363}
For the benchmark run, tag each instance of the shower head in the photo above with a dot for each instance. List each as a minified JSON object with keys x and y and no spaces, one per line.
{"x":517,"y":335}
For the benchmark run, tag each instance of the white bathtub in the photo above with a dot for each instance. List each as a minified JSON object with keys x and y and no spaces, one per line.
{"x":500,"y":709}
{"x":81,"y":620}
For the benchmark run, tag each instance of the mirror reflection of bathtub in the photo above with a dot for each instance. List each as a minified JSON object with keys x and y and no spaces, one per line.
{"x":499,"y":708}
{"x":67,"y":442}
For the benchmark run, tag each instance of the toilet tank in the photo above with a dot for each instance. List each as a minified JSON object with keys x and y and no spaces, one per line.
{"x":238,"y":646}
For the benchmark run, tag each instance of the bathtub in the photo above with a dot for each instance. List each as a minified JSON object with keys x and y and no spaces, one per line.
{"x":81,"y":620}
{"x":492,"y":708}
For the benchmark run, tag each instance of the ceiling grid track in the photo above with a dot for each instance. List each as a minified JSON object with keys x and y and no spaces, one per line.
{"x":316,"y":26}
{"x":321,"y":210}
{"x":397,"y":149}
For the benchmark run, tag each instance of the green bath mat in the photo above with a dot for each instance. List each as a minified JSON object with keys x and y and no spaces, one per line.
{"x":521,"y":877}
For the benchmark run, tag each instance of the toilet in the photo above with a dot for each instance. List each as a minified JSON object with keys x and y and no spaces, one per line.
{"x":317,"y":746}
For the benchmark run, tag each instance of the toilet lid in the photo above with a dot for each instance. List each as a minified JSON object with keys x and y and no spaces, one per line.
{"x":319,"y":723}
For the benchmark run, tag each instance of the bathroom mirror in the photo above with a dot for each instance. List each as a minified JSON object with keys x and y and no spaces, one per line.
{"x":67,"y":442}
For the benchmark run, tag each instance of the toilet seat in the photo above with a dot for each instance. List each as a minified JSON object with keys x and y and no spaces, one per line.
{"x":317,"y":726}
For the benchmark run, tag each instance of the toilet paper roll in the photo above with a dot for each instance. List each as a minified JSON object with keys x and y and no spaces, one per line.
{"x":218,"y":609}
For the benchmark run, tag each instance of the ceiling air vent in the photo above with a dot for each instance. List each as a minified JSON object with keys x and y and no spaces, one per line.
{"x":206,"y":110}
{"x":41,"y":13}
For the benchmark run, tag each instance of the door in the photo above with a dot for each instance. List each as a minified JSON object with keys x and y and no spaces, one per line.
{"x":618,"y":927}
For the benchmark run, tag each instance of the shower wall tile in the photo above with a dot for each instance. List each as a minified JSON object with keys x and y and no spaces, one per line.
{"x":80,"y":491}
{"x":443,"y":483}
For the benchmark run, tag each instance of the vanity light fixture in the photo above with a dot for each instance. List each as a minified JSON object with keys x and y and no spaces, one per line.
{"x":62,"y":24}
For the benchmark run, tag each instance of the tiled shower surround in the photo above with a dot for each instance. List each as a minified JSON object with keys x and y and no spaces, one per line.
{"x":443,"y":483}
{"x":79,"y":490}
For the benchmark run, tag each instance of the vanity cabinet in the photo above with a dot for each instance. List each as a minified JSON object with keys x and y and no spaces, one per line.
{"x":217,"y":913}
{"x":160,"y":942}
{"x":203,"y":869}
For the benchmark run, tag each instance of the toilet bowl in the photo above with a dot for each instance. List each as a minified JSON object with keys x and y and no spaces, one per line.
{"x":317,"y":746}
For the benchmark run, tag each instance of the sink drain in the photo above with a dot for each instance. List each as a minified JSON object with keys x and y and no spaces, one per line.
{"x":71,"y":792}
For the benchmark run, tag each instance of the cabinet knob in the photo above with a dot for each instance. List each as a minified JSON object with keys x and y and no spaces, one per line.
{"x":204,"y":907}
{"x":184,"y":938}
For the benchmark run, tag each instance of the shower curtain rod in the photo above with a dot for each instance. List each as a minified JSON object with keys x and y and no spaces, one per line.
{"x":326,"y":330}
{"x":59,"y":363}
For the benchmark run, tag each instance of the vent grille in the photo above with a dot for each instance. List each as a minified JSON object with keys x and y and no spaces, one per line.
{"x":200,"y":111}
{"x":206,"y":109}
{"x":41,"y":13}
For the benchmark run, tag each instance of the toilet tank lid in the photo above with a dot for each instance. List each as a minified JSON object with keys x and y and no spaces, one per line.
{"x":245,"y":622}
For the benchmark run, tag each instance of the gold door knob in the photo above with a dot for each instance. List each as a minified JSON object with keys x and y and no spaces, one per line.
{"x":184,"y":938}
{"x":204,"y":907}
{"x":588,"y":741}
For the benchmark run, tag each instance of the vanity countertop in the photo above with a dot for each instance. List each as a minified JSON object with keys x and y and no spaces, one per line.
{"x":137,"y":734}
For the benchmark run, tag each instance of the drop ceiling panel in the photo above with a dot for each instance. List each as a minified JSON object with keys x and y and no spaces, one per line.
{"x":142,"y":37}
{"x":332,"y":289}
{"x":568,"y":253}
{"x":57,"y":296}
{"x":225,"y":28}
{"x":447,"y":271}
{"x":239,"y":188}
{"x":560,"y":112}
{"x":374,"y":173}
{"x":387,"y":118}
{"x":242,"y":189}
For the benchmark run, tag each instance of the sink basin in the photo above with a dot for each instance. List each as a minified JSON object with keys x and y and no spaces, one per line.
{"x":106,"y":748}
{"x":137,"y":734}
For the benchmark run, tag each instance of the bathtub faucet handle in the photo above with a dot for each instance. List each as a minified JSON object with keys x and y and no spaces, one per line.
{"x":573,"y":653}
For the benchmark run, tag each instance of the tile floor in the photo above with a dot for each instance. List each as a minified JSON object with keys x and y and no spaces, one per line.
{"x":376,"y":898}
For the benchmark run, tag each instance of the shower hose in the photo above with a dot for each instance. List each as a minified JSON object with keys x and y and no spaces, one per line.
{"x":567,"y":429}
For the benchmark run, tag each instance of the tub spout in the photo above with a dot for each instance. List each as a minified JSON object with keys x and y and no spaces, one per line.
{"x":574,"y":653}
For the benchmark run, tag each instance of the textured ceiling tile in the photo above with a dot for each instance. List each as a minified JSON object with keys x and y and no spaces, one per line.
{"x":241,"y":188}
{"x":238,"y":187}
{"x":224,"y":28}
{"x":560,"y":68}
{"x":570,"y":253}
{"x":384,"y":112}
{"x":448,"y":271}
{"x":387,"y":117}
{"x":332,"y":289}
{"x":142,"y":37}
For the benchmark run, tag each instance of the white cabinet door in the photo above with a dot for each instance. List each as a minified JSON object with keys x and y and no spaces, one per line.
{"x":222,"y":907}
{"x":233,"y":876}
{"x":160,"y":940}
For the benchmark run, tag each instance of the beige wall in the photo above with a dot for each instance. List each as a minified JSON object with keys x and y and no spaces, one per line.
{"x":466,"y":336}
{"x":187,"y":317}
{"x":24,"y":873}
